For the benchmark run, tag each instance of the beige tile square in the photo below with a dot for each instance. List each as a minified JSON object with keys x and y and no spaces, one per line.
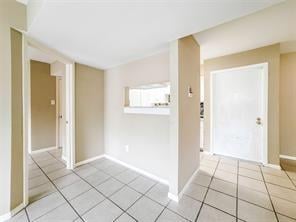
{"x":201,"y":179}
{"x":281,"y":181}
{"x":211,"y":157}
{"x":250,"y":173}
{"x":224,"y":186}
{"x":209,"y":171}
{"x":159,"y":193}
{"x":110,"y":186}
{"x":272,"y":171}
{"x":86,"y":201}
{"x":61,"y":213}
{"x":196,"y":192}
{"x":145,"y":210}
{"x":186,"y":207}
{"x":125,"y":197}
{"x":208,"y":163}
{"x":250,"y":166}
{"x":252,"y":184}
{"x":250,"y":212}
{"x":285,"y":219}
{"x":210,"y":214}
{"x":282,"y":192}
{"x":221,"y":201}
{"x":292,"y":174}
{"x":227,"y":168}
{"x":168,"y":215}
{"x":142,"y":184}
{"x":104,"y":212}
{"x":222,"y":175}
{"x":254,"y":196}
{"x":229,"y":161}
{"x":284,"y":207}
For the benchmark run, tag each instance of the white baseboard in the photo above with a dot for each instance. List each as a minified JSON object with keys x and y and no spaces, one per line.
{"x":207,"y":152}
{"x":288,"y":157}
{"x":143,"y":172}
{"x":88,"y":160}
{"x":45,"y":149}
{"x":274,"y":166}
{"x":176,"y":198}
{"x":173,"y":197}
{"x":64,"y":158}
{"x":13,"y":212}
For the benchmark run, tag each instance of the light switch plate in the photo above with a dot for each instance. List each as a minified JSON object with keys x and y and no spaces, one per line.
{"x":52,"y":102}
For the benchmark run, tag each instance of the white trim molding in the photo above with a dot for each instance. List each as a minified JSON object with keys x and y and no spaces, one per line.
{"x":207,"y":152}
{"x":45,"y":149}
{"x":88,"y":160}
{"x":13,"y":212}
{"x":288,"y":157}
{"x":143,"y":172}
{"x":173,"y":197}
{"x":176,"y":198}
{"x":147,"y":110}
{"x":274,"y":166}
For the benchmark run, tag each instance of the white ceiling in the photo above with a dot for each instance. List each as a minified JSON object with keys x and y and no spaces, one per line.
{"x":272,"y":25}
{"x":37,"y":55}
{"x":105,"y":33}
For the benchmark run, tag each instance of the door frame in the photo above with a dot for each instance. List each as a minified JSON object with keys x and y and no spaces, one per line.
{"x":264,"y":88}
{"x":69,"y":107}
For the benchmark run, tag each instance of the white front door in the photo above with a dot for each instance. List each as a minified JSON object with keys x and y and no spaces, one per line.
{"x":238,"y":111}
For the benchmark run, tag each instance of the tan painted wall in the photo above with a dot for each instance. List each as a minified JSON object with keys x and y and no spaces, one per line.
{"x":288,"y":104}
{"x":270,"y":54}
{"x":12,"y":14}
{"x":184,"y":118}
{"x":89,"y":112}
{"x":146,"y":135}
{"x":43,"y":114}
{"x":17,"y":120}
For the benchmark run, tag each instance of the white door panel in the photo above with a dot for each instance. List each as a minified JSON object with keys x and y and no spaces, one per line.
{"x":237,"y":101}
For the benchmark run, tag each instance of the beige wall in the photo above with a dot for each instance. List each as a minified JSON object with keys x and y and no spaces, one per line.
{"x":146,"y":135}
{"x":184,"y":118}
{"x":288,"y":104}
{"x":17,"y":120}
{"x":270,"y":54}
{"x":43,"y":114}
{"x":89,"y":112}
{"x":12,"y":14}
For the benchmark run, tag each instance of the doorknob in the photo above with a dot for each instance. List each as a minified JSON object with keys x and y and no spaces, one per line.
{"x":258,"y":121}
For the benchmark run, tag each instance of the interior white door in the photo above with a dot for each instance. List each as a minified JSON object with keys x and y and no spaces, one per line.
{"x":237,"y":103}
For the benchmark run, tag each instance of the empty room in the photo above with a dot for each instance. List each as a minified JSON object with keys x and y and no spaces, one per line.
{"x":148,"y":111}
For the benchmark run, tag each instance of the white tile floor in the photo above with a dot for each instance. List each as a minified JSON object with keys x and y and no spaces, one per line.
{"x":224,"y":189}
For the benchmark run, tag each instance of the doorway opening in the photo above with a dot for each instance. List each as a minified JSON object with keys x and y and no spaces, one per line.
{"x":48,"y":110}
{"x":238,"y":101}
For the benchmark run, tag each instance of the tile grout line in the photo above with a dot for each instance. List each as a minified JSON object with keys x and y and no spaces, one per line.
{"x":288,"y":177}
{"x":202,"y":203}
{"x":269,"y":196}
{"x":106,"y":197}
{"x":60,"y":194}
{"x":165,"y":207}
{"x":127,"y":185}
{"x":27,"y":214}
